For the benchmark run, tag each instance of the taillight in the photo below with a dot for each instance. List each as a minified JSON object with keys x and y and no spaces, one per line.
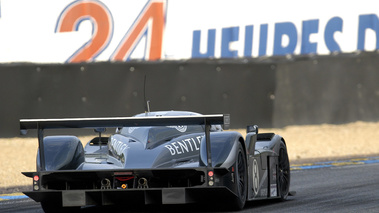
{"x":36,"y":182}
{"x":123,"y":180}
{"x":210,"y":178}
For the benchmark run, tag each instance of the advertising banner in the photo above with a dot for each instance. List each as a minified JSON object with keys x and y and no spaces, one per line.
{"x":66,"y":31}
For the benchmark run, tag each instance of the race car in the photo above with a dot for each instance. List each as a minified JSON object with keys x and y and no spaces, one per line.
{"x":163,"y":157}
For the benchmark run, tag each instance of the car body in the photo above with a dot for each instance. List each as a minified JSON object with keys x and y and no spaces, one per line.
{"x":164,"y":157}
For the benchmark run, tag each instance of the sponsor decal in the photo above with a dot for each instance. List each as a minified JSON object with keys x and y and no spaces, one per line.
{"x":255,"y":176}
{"x":184,"y":146}
{"x":117,"y":147}
{"x":179,"y":128}
{"x":273,"y":190}
{"x":131,"y":129}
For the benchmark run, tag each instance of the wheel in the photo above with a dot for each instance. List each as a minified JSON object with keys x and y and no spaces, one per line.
{"x":241,"y":179}
{"x":284,"y":172}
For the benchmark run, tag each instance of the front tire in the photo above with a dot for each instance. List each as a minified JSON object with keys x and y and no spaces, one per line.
{"x":240,"y":179}
{"x":283,"y":172}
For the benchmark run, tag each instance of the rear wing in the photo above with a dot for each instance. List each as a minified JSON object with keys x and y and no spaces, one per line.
{"x":42,"y":124}
{"x":26,"y":124}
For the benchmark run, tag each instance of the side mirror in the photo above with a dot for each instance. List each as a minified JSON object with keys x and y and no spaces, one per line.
{"x":252,"y":128}
{"x":23,"y":131}
{"x":100,"y":129}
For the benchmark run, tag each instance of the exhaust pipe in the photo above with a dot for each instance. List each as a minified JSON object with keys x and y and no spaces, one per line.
{"x":142,"y":183}
{"x":105,"y":183}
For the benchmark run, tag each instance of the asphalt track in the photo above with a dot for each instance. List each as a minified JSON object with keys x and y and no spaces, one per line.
{"x":334,"y":186}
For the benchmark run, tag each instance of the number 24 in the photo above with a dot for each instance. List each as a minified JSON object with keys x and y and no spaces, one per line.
{"x":102,"y":29}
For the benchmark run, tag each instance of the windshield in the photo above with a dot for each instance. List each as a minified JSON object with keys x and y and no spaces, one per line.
{"x":153,"y":135}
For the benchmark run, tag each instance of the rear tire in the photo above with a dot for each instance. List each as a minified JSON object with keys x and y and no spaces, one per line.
{"x":240,"y":179}
{"x":283,"y":172}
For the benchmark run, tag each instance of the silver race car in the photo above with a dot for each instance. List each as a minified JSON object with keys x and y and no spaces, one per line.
{"x":164,"y":157}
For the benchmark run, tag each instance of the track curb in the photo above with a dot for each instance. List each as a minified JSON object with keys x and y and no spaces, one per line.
{"x":337,"y":163}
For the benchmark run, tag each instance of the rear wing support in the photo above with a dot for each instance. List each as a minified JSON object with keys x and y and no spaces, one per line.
{"x":42,"y":124}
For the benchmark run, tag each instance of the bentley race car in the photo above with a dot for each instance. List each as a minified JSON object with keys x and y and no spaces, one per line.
{"x":164,"y":157}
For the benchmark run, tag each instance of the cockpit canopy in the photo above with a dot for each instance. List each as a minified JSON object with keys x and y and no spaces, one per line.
{"x":155,"y":135}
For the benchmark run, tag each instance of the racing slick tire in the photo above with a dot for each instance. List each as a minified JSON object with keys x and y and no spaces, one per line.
{"x":240,"y":179}
{"x":283,"y":172}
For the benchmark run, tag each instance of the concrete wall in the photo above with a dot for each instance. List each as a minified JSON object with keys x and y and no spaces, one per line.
{"x":117,"y":89}
{"x":271,"y":92}
{"x":336,"y":89}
